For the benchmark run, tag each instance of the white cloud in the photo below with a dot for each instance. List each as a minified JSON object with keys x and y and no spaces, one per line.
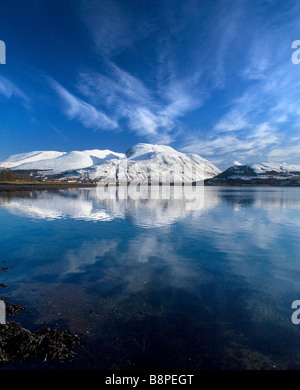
{"x":287,"y":153}
{"x":87,"y":114}
{"x":8,"y":89}
{"x":153,"y":126}
{"x":150,"y":112}
{"x":233,"y":121}
{"x":241,"y":145}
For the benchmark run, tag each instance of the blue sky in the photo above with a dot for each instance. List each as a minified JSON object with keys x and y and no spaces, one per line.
{"x":203,"y":76}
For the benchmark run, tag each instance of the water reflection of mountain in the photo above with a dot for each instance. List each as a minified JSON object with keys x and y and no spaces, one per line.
{"x":166,"y":205}
{"x":162,"y":206}
{"x":251,"y":239}
{"x":258,"y":197}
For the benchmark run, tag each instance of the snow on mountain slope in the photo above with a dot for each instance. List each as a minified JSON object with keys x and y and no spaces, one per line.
{"x":210,"y":170}
{"x":18,"y":159}
{"x":155,"y":163}
{"x":59,"y":162}
{"x":163,"y":163}
{"x":275,"y":168}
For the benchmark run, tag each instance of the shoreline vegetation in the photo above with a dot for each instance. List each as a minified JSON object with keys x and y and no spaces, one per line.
{"x":35,"y":185}
{"x":15,"y":181}
{"x":20,"y":185}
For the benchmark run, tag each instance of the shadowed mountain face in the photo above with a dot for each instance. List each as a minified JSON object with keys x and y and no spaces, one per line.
{"x":142,"y":163}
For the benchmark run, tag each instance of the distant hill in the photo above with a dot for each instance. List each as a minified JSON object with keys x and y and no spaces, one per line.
{"x":259,"y":174}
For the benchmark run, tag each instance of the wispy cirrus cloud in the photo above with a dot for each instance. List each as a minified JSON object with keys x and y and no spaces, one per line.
{"x":9,"y":90}
{"x":150,"y":112}
{"x":125,"y":97}
{"x":222,"y":149}
{"x":287,"y":153}
{"x":86,"y":113}
{"x":151,"y":103}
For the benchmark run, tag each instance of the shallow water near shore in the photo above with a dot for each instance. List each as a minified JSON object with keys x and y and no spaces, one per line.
{"x":166,"y":283}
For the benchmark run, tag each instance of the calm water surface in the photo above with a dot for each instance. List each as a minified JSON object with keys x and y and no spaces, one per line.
{"x":148,"y":284}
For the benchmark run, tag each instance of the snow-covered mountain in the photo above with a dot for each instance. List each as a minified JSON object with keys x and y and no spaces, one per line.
{"x":29,"y":158}
{"x":259,"y":173}
{"x":58,"y":162}
{"x":141,"y":163}
{"x":155,"y":163}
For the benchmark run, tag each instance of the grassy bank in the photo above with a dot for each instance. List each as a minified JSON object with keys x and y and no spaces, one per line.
{"x":36,"y":186}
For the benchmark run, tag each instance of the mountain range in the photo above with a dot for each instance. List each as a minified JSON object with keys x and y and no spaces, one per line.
{"x":146,"y":162}
{"x":141,"y":163}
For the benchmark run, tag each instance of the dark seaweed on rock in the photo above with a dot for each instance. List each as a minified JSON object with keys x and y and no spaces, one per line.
{"x":17,"y":343}
{"x":13,"y":309}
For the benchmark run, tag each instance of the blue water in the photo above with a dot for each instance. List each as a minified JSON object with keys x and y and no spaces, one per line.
{"x":158,"y":283}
